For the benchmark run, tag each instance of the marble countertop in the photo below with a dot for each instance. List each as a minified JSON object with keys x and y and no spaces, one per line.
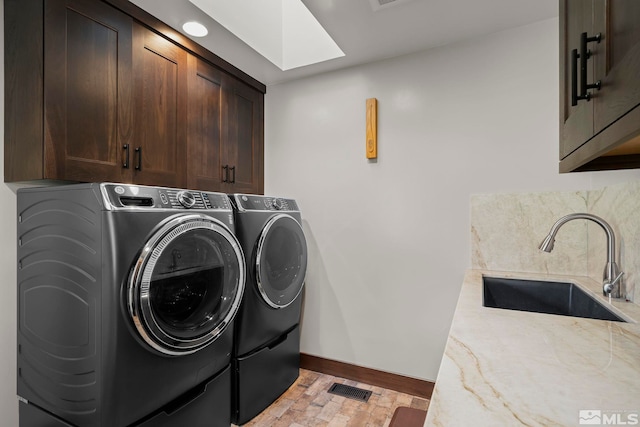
{"x":511,"y":368}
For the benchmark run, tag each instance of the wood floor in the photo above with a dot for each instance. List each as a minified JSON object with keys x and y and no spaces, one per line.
{"x":308,"y":404}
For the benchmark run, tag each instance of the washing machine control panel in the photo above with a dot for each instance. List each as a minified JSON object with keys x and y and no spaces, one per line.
{"x":275,"y":203}
{"x":247,"y":202}
{"x":126,"y":196}
{"x":186,"y":199}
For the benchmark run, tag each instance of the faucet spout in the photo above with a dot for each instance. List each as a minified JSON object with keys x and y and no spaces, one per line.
{"x":612,"y":283}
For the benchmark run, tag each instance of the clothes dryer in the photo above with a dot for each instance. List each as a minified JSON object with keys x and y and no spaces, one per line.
{"x":266,"y":357}
{"x":126,"y":298}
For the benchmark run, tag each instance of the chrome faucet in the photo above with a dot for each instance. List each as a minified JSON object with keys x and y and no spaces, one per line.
{"x":611,"y":283}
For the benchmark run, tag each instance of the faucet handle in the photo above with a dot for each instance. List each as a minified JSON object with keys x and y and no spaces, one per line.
{"x":607,"y":288}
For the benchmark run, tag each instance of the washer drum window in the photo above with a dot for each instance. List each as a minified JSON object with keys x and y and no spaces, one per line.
{"x":186,"y":285}
{"x":281,"y":261}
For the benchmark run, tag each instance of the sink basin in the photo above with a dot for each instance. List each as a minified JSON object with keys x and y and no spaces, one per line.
{"x":561,"y":298}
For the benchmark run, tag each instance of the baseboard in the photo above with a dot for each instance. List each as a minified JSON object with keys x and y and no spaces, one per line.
{"x":408,"y":385}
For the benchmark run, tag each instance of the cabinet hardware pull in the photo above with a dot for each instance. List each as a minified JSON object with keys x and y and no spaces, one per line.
{"x":584,"y":55}
{"x":125,"y":147}
{"x":574,"y":78}
{"x":138,"y":151}
{"x":225,"y":175}
{"x":233,"y":177}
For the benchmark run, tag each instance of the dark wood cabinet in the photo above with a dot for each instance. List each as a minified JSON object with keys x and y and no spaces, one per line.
{"x":225,"y":148}
{"x":245,"y":132}
{"x":109,"y":98}
{"x":87,"y":90}
{"x":619,"y":68}
{"x":67,"y":117}
{"x":159,"y":110}
{"x":603,"y":131}
{"x":576,"y":120}
{"x":205,"y":126}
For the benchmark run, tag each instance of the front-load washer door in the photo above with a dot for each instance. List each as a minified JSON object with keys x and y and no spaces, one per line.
{"x":186,"y":285}
{"x":281,"y":261}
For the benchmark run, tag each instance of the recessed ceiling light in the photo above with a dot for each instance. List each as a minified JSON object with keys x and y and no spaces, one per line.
{"x":195,"y":29}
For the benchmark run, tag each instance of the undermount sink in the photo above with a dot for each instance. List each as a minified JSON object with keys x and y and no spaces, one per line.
{"x":538,"y":296}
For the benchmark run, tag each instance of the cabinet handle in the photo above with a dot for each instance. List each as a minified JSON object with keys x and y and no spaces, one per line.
{"x":584,"y":55}
{"x":225,"y":173}
{"x":233,"y":177}
{"x":574,"y":78}
{"x":125,"y":147}
{"x":138,"y":151}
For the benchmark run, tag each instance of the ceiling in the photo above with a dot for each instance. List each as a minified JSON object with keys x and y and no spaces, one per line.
{"x":364,"y":35}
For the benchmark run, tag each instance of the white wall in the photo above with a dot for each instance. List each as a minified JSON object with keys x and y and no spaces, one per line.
{"x":389,"y":240}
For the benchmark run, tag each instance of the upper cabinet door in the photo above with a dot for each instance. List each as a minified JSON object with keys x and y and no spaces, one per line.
{"x":99,"y":93}
{"x":205,"y":127}
{"x":244,"y":137}
{"x":87,"y":91}
{"x":225,"y":132}
{"x":603,"y":130}
{"x":158,"y":151}
{"x":576,"y":121}
{"x":619,"y":69}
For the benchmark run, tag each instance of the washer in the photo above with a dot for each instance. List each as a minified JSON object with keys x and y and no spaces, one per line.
{"x":126,"y":300}
{"x":266,"y":357}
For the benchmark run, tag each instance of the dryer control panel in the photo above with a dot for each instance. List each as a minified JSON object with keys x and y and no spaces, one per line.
{"x":250,"y":202}
{"x":127,"y":196}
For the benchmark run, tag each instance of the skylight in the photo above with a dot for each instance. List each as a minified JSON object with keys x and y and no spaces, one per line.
{"x":283,"y":31}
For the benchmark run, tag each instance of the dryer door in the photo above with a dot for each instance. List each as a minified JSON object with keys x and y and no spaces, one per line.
{"x":281,"y":261}
{"x":187,"y":284}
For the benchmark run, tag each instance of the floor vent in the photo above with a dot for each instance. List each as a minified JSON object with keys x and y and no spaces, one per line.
{"x":350,"y":392}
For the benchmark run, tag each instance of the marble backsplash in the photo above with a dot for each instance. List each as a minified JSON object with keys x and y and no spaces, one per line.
{"x":506,"y":230}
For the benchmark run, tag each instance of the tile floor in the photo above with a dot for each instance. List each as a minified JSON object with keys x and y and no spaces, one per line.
{"x":307,"y":404}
